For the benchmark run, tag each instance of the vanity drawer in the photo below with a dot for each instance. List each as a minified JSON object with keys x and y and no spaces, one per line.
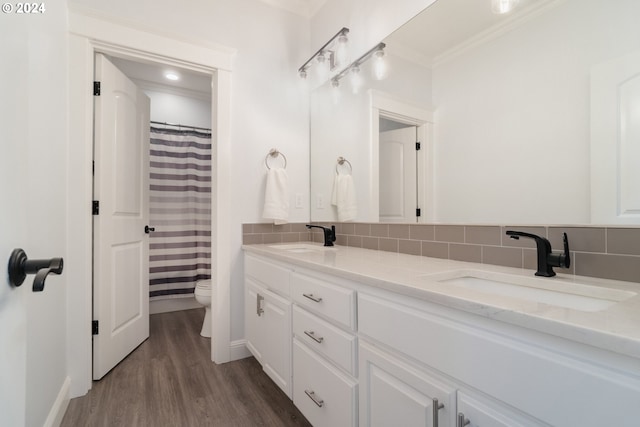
{"x":334,"y":302}
{"x":325,"y":396}
{"x":336,"y":344}
{"x":271,"y":275}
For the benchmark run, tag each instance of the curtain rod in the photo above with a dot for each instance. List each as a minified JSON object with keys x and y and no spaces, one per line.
{"x":179,"y":125}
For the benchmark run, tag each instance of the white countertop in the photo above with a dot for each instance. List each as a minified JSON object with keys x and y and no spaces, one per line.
{"x":615,"y":328}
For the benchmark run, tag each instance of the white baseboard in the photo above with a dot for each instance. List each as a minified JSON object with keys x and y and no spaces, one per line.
{"x":173,"y":304}
{"x":56,"y":414}
{"x":238,"y":350}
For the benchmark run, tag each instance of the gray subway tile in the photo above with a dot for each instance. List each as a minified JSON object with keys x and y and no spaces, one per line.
{"x":380,"y":230}
{"x":355,"y":241}
{"x":435,"y":249}
{"x":607,"y":266}
{"x":449,"y":233}
{"x":470,"y":253}
{"x":400,"y":231}
{"x":272,"y":238}
{"x":388,"y":245}
{"x":624,"y":241}
{"x":482,"y":235}
{"x":370,"y":242}
{"x":411,"y":247}
{"x":497,"y":255}
{"x":252,"y":239}
{"x":263,"y":228}
{"x":362,"y":229}
{"x":421,"y":232}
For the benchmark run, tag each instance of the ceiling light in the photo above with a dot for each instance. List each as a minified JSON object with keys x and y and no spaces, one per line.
{"x":172,"y":76}
{"x":328,"y":56}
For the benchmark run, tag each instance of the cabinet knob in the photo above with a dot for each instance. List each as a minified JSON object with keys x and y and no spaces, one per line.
{"x":312,"y":396}
{"x":436,"y":407}
{"x":312,"y":335}
{"x":259,"y":300}
{"x":462,"y":421}
{"x":312,"y":297}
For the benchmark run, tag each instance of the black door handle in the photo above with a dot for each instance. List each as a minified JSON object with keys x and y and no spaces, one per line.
{"x":19,"y":266}
{"x":148,"y":229}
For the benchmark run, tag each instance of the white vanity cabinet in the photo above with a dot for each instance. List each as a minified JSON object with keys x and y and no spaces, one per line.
{"x":503,"y":375}
{"x":268,"y":319}
{"x":365,"y":352}
{"x":324,"y":351}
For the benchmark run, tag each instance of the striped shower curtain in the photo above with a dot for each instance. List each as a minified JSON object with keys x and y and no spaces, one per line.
{"x":180,"y":212}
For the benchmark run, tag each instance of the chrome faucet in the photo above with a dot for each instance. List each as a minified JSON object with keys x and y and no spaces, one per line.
{"x":546,"y":258}
{"x":329,"y":233}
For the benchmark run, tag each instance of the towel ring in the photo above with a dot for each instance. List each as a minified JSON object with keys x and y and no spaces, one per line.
{"x":341,"y":162}
{"x":274,"y":153}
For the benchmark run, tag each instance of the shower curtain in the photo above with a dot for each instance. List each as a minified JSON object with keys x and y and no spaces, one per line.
{"x":180,"y":212}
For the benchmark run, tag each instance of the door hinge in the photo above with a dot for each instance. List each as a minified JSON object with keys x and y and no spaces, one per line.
{"x":96,"y":207}
{"x":418,"y":145}
{"x":93,"y":168}
{"x":418,"y":212}
{"x":94,"y":327}
{"x":96,"y":88}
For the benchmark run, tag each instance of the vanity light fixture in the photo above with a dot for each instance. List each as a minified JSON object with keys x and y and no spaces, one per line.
{"x":501,"y":7}
{"x":329,"y":56}
{"x":379,"y":68}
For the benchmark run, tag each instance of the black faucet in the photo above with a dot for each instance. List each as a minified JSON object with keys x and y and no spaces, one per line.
{"x":546,"y":259}
{"x":329,"y":233}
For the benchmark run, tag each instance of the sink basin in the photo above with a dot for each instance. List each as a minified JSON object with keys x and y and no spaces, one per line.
{"x":554,"y":291}
{"x":299,"y":248}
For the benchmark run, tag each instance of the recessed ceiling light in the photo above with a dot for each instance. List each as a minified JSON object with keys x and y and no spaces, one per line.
{"x":172,"y":76}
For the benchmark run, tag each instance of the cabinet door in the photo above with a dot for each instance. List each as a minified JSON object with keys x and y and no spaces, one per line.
{"x":393,"y":392}
{"x":476,"y":411}
{"x":268,"y":332}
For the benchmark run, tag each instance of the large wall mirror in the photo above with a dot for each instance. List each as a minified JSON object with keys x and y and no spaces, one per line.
{"x":528,"y":117}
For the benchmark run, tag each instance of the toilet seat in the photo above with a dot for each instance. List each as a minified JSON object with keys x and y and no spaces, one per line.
{"x":203,"y":284}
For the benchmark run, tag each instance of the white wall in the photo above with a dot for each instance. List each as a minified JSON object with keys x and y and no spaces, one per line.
{"x":37,"y":100}
{"x":512,"y":122}
{"x":269,"y":107}
{"x":179,"y":109}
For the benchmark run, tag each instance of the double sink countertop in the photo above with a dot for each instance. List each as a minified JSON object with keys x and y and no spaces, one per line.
{"x":598,"y":312}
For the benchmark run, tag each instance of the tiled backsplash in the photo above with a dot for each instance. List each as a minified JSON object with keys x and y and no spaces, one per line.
{"x":605,"y":252}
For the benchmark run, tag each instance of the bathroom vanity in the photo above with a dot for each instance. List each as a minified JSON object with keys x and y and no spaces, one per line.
{"x":362,"y":337}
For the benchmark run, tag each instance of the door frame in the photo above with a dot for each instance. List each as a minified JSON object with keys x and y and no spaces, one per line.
{"x":88,"y":35}
{"x":390,"y":107}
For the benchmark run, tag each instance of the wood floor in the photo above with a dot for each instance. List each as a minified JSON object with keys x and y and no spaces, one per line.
{"x":170,"y":381}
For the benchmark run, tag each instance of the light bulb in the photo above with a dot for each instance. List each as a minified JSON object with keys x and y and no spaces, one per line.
{"x":380,"y":65}
{"x":335,"y":91}
{"x":356,"y":79}
{"x":170,"y":75}
{"x":342,"y":51}
{"x":322,"y":68}
{"x":502,"y":6}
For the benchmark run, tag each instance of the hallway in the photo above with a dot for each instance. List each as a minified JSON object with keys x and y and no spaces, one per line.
{"x":170,"y":381}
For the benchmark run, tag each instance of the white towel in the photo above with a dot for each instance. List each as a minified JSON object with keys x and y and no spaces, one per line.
{"x":344,"y":197}
{"x":276,"y":196}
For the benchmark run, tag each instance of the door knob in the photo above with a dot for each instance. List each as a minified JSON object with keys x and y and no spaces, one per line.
{"x":148,"y":229}
{"x":20,"y":266}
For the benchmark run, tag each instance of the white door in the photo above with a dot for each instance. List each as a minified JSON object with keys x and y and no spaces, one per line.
{"x":398,"y":175}
{"x":615,"y":141}
{"x":121,"y":247}
{"x":13,"y":223}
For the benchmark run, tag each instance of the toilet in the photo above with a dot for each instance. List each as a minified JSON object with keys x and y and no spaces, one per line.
{"x":203,"y":296}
